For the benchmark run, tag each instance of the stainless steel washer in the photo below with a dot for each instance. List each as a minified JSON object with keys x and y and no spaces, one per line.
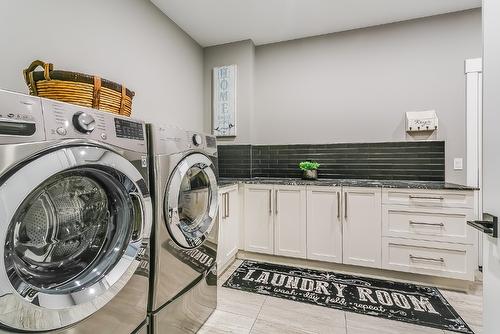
{"x":184,"y":182}
{"x":76,"y":219}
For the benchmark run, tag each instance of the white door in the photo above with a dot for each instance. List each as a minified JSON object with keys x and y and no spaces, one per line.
{"x":474,"y":137}
{"x":231,"y":222}
{"x":290,"y":221}
{"x":324,"y":224}
{"x":75,"y":223}
{"x":228,"y":226}
{"x":491,"y":161}
{"x":259,"y":231}
{"x":362,"y":211}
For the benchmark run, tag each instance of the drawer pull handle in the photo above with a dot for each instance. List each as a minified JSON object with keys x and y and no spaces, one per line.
{"x":413,"y":258}
{"x":270,"y":201}
{"x":276,"y":202}
{"x":345,"y":205}
{"x":426,"y":224}
{"x":338,"y":204}
{"x":437,"y":198}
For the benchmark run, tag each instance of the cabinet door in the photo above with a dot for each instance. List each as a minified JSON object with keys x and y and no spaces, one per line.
{"x":362,"y":211}
{"x":228,"y":226}
{"x":290,"y":221}
{"x":231,"y":223}
{"x":220,"y":234}
{"x":324,"y":224}
{"x":259,"y":236}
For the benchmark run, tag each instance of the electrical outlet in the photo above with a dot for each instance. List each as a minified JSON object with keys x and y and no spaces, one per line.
{"x":458,"y":164}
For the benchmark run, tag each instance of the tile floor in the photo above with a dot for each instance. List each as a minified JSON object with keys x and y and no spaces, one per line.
{"x":242,"y":313}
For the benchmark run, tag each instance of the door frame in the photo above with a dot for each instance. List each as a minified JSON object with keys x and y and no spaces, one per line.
{"x":474,"y":137}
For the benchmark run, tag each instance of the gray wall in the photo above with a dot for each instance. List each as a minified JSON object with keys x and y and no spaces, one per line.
{"x":127,"y":41}
{"x":242,"y":54}
{"x":355,"y":86}
{"x":491,"y":161}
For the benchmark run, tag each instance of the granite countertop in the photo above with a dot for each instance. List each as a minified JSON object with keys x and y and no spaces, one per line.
{"x":432,"y":185}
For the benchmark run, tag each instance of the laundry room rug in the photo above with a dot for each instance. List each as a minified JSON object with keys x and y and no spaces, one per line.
{"x":415,"y":304}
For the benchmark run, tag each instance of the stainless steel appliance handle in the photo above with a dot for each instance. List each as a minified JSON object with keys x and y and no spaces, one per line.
{"x":138,"y":229}
{"x":412,"y":222}
{"x":413,"y":258}
{"x":437,"y":198}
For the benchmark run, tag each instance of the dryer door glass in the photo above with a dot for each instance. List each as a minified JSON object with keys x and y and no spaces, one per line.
{"x":192,"y":201}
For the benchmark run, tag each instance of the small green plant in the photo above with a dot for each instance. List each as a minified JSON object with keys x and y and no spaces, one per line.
{"x":309,"y":165}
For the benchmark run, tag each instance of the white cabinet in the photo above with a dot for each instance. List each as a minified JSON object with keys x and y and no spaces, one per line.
{"x":324,"y":224}
{"x":443,"y":259}
{"x":259,"y":213}
{"x":290,"y":221}
{"x":229,"y":208}
{"x":362,"y":228}
{"x":275,"y":220}
{"x":408,"y":230}
{"x":434,"y":224}
{"x":428,"y":198}
{"x":426,"y":232}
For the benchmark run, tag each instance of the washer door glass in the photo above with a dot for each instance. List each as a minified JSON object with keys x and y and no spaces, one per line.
{"x":76,"y":226}
{"x":191,"y":201}
{"x":71,"y":231}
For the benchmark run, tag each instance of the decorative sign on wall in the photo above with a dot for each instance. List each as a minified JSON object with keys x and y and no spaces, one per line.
{"x":421,"y":121}
{"x":224,"y":101}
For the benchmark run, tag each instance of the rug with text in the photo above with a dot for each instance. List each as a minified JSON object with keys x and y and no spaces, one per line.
{"x":415,"y":304}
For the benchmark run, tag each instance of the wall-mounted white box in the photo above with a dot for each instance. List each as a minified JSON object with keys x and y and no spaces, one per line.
{"x":421,"y":121}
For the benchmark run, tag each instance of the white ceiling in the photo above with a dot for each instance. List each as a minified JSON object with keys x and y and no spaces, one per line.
{"x":212,"y":22}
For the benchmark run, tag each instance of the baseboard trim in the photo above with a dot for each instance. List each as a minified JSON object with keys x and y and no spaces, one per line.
{"x":225,"y":266}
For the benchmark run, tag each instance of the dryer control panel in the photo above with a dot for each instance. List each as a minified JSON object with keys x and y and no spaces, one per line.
{"x":68,"y":121}
{"x":171,"y":139}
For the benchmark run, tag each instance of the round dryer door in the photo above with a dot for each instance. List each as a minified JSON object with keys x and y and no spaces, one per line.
{"x":74,"y":224}
{"x":191,"y":200}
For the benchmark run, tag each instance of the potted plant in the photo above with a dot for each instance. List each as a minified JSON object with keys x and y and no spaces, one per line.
{"x":309,"y":169}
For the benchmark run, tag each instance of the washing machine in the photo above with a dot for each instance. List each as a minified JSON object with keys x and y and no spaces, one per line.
{"x":184,"y":189}
{"x":76,"y":217}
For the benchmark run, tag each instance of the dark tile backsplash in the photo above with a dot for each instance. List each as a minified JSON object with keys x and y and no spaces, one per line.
{"x":235,"y":161}
{"x":383,"y":161}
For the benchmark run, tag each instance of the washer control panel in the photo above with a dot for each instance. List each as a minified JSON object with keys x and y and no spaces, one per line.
{"x":83,"y":122}
{"x":197,"y":139}
{"x":21,"y":118}
{"x":129,"y":129}
{"x":63,"y":120}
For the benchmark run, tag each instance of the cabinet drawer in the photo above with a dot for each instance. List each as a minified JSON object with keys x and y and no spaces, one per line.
{"x":429,"y":198}
{"x":430,"y":258}
{"x":434,"y":224}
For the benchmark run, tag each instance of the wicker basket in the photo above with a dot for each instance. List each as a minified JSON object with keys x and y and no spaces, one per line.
{"x":78,"y":88}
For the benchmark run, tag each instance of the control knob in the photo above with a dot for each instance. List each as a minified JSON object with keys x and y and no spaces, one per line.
{"x":197,"y":140}
{"x":83,"y":122}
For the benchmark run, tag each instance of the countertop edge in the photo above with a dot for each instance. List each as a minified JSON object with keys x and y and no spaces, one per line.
{"x":388,"y":184}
